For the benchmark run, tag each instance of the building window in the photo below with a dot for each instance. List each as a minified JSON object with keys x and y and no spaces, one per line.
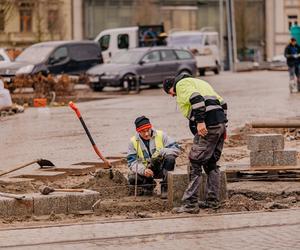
{"x":292,"y":20}
{"x":53,"y":20}
{"x":2,"y":20}
{"x":25,"y":20}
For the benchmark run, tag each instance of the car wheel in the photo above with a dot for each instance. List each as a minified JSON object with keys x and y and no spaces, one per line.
{"x":202,"y":72}
{"x":185,"y":71}
{"x":154,"y":86}
{"x":129,"y":82}
{"x":216,"y":71}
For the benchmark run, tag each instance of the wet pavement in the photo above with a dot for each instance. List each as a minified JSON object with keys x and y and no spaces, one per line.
{"x":258,"y":230}
{"x":57,"y":135}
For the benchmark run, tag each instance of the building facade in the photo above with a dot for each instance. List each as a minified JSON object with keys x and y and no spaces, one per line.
{"x":23,"y":22}
{"x":262,"y":26}
{"x":280,"y":16}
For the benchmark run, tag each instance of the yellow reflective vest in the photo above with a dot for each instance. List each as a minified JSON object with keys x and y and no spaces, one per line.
{"x":159,"y":144}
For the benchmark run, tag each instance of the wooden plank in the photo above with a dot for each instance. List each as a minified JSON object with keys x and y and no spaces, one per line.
{"x":74,"y":169}
{"x":43,"y":175}
{"x":261,"y":168}
{"x":264,"y":179}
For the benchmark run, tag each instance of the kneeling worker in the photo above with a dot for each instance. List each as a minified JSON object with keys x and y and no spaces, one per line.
{"x":151,"y":154}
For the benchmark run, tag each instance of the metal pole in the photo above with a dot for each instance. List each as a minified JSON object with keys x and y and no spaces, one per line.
{"x":234,"y":46}
{"x":229,"y":34}
{"x":136,"y":167}
{"x":221,"y":17}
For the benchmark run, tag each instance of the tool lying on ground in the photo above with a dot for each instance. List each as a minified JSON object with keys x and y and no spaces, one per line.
{"x":42,"y":162}
{"x":14,"y":196}
{"x":74,"y":107}
{"x":47,"y":190}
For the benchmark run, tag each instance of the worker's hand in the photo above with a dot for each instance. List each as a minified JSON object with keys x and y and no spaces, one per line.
{"x":148,"y":172}
{"x":201,"y":128}
{"x":107,"y":164}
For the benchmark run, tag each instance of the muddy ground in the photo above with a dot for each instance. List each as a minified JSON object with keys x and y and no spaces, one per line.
{"x":116,"y":201}
{"x":251,"y":96}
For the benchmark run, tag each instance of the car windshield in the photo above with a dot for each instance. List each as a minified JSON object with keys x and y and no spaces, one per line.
{"x":34,"y":54}
{"x":127,"y":57}
{"x":185,"y":39}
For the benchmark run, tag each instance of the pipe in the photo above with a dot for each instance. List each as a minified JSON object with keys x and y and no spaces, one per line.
{"x":277,"y":124}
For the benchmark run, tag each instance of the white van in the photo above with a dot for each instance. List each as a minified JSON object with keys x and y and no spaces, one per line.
{"x":203,"y":44}
{"x":115,"y":40}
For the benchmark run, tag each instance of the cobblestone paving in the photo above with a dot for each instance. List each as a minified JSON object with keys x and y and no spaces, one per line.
{"x":264,"y":230}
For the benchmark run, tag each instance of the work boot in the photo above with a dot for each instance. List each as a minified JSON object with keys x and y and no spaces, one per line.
{"x":186,"y":208}
{"x":214,"y":204}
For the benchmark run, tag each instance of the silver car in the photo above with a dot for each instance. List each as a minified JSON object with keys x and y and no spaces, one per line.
{"x":149,"y":66}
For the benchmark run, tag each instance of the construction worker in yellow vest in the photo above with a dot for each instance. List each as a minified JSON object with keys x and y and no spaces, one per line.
{"x":151,"y":154}
{"x":207,"y":114}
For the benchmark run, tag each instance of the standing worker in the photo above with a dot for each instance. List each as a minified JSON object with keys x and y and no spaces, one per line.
{"x":292,"y":53}
{"x":151,"y":154}
{"x":206,"y":112}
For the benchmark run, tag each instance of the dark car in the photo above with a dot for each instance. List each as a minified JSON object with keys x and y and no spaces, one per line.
{"x":55,"y":57}
{"x":150,"y":65}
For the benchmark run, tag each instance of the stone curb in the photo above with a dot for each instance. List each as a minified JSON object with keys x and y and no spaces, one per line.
{"x":57,"y":202}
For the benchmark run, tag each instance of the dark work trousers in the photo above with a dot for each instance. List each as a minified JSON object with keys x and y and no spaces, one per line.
{"x":205,"y":152}
{"x":159,"y":171}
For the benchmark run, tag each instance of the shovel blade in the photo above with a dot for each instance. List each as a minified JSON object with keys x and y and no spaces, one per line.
{"x":45,"y":163}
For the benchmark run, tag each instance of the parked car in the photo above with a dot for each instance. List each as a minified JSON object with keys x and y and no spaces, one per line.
{"x":150,"y":65}
{"x":4,"y":56}
{"x":203,"y":44}
{"x":54,"y":57}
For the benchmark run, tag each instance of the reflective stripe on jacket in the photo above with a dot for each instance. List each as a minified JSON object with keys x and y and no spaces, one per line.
{"x":138,"y":155}
{"x":159,"y":144}
{"x":199,"y":102}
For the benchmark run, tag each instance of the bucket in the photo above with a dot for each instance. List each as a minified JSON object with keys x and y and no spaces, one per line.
{"x":40,"y":102}
{"x":295,"y":32}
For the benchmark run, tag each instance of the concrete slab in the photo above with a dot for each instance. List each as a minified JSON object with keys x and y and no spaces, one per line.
{"x":265,"y":142}
{"x":10,"y":207}
{"x":286,"y":157}
{"x":51,"y":203}
{"x":261,"y":158}
{"x":81,"y":201}
{"x":178,"y":181}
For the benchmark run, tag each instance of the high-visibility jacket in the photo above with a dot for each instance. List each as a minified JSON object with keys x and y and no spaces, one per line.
{"x":139,"y":155}
{"x":199,"y":102}
{"x":159,"y":144}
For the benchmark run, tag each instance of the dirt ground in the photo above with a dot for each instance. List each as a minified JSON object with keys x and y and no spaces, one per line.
{"x":116,"y":202}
